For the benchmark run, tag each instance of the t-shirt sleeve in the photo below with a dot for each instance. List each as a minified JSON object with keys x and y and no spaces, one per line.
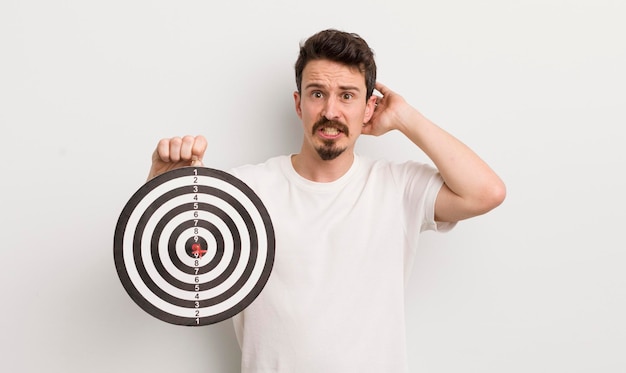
{"x":422,"y":184}
{"x":432,"y":190}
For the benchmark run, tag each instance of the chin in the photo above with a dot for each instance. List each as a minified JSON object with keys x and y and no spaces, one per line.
{"x":329,"y":153}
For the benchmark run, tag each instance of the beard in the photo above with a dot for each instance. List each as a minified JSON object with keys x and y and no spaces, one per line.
{"x":329,"y":149}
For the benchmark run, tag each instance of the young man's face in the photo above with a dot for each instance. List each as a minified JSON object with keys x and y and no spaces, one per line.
{"x":332,"y":107}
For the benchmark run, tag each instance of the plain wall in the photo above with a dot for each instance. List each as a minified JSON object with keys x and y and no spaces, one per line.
{"x":537,"y":88}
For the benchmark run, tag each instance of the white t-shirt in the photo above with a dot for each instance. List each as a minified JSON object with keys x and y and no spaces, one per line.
{"x":335,"y":299}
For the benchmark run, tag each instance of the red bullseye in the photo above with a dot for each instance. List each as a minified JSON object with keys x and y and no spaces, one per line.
{"x":197,"y":251}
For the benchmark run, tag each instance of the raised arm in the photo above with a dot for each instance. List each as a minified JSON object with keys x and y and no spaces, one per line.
{"x":471,"y":187}
{"x":177,"y":152}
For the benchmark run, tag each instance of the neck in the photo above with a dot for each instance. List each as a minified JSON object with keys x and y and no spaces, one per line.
{"x":312,"y":167}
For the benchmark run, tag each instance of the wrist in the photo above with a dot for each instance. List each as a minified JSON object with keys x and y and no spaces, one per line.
{"x":409,"y":121}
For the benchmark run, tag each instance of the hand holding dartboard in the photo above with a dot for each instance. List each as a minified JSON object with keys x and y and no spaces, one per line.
{"x":194,"y":246}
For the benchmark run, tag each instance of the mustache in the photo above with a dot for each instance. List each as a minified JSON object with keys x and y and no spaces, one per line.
{"x":325,"y":122}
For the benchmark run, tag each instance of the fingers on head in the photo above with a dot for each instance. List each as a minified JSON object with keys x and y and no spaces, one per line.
{"x":381,"y":87}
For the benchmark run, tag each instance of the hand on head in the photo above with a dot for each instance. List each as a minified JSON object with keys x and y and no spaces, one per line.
{"x":388,"y":111}
{"x":176,"y":152}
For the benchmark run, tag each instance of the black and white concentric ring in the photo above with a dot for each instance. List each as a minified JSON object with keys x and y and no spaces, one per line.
{"x":194,"y":246}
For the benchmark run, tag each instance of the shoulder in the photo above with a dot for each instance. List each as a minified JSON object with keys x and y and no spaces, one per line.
{"x":400,"y":172}
{"x":269,"y":166}
{"x":262,"y":175}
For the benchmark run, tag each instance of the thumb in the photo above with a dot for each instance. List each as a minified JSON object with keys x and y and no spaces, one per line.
{"x":196,"y":162}
{"x":197,"y":151}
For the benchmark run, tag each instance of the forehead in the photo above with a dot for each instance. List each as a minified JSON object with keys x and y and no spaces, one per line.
{"x":331,"y":74}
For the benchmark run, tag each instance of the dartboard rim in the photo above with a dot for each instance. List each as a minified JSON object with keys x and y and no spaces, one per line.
{"x":140,"y":299}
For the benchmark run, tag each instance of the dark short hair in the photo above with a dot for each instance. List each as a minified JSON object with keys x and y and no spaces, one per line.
{"x":338,"y":46}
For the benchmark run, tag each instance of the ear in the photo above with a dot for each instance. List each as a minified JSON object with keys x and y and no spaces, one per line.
{"x":297,"y":102}
{"x":370,"y":106}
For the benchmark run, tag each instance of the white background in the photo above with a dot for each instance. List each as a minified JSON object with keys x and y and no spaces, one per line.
{"x":536,"y":87}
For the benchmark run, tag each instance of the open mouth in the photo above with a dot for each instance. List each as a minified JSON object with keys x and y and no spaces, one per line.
{"x":330,"y":129}
{"x":330,"y":132}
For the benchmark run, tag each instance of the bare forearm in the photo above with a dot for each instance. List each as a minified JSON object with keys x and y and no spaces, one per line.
{"x":476,"y":187}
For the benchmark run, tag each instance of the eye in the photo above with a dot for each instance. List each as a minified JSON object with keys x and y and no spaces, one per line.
{"x":317,"y":94}
{"x":347,"y":96}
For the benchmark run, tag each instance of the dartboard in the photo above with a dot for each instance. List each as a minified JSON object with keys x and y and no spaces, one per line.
{"x":194,"y":246}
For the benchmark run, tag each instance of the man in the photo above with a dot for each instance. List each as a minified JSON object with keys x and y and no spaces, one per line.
{"x":346,"y":226}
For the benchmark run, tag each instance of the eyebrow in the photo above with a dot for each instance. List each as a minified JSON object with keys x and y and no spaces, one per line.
{"x":342,"y":87}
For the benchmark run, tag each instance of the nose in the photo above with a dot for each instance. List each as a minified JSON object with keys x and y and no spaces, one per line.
{"x":331,"y":109}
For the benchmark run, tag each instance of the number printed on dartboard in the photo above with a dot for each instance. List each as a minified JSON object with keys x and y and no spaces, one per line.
{"x":194,"y":246}
{"x":198,"y":250}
